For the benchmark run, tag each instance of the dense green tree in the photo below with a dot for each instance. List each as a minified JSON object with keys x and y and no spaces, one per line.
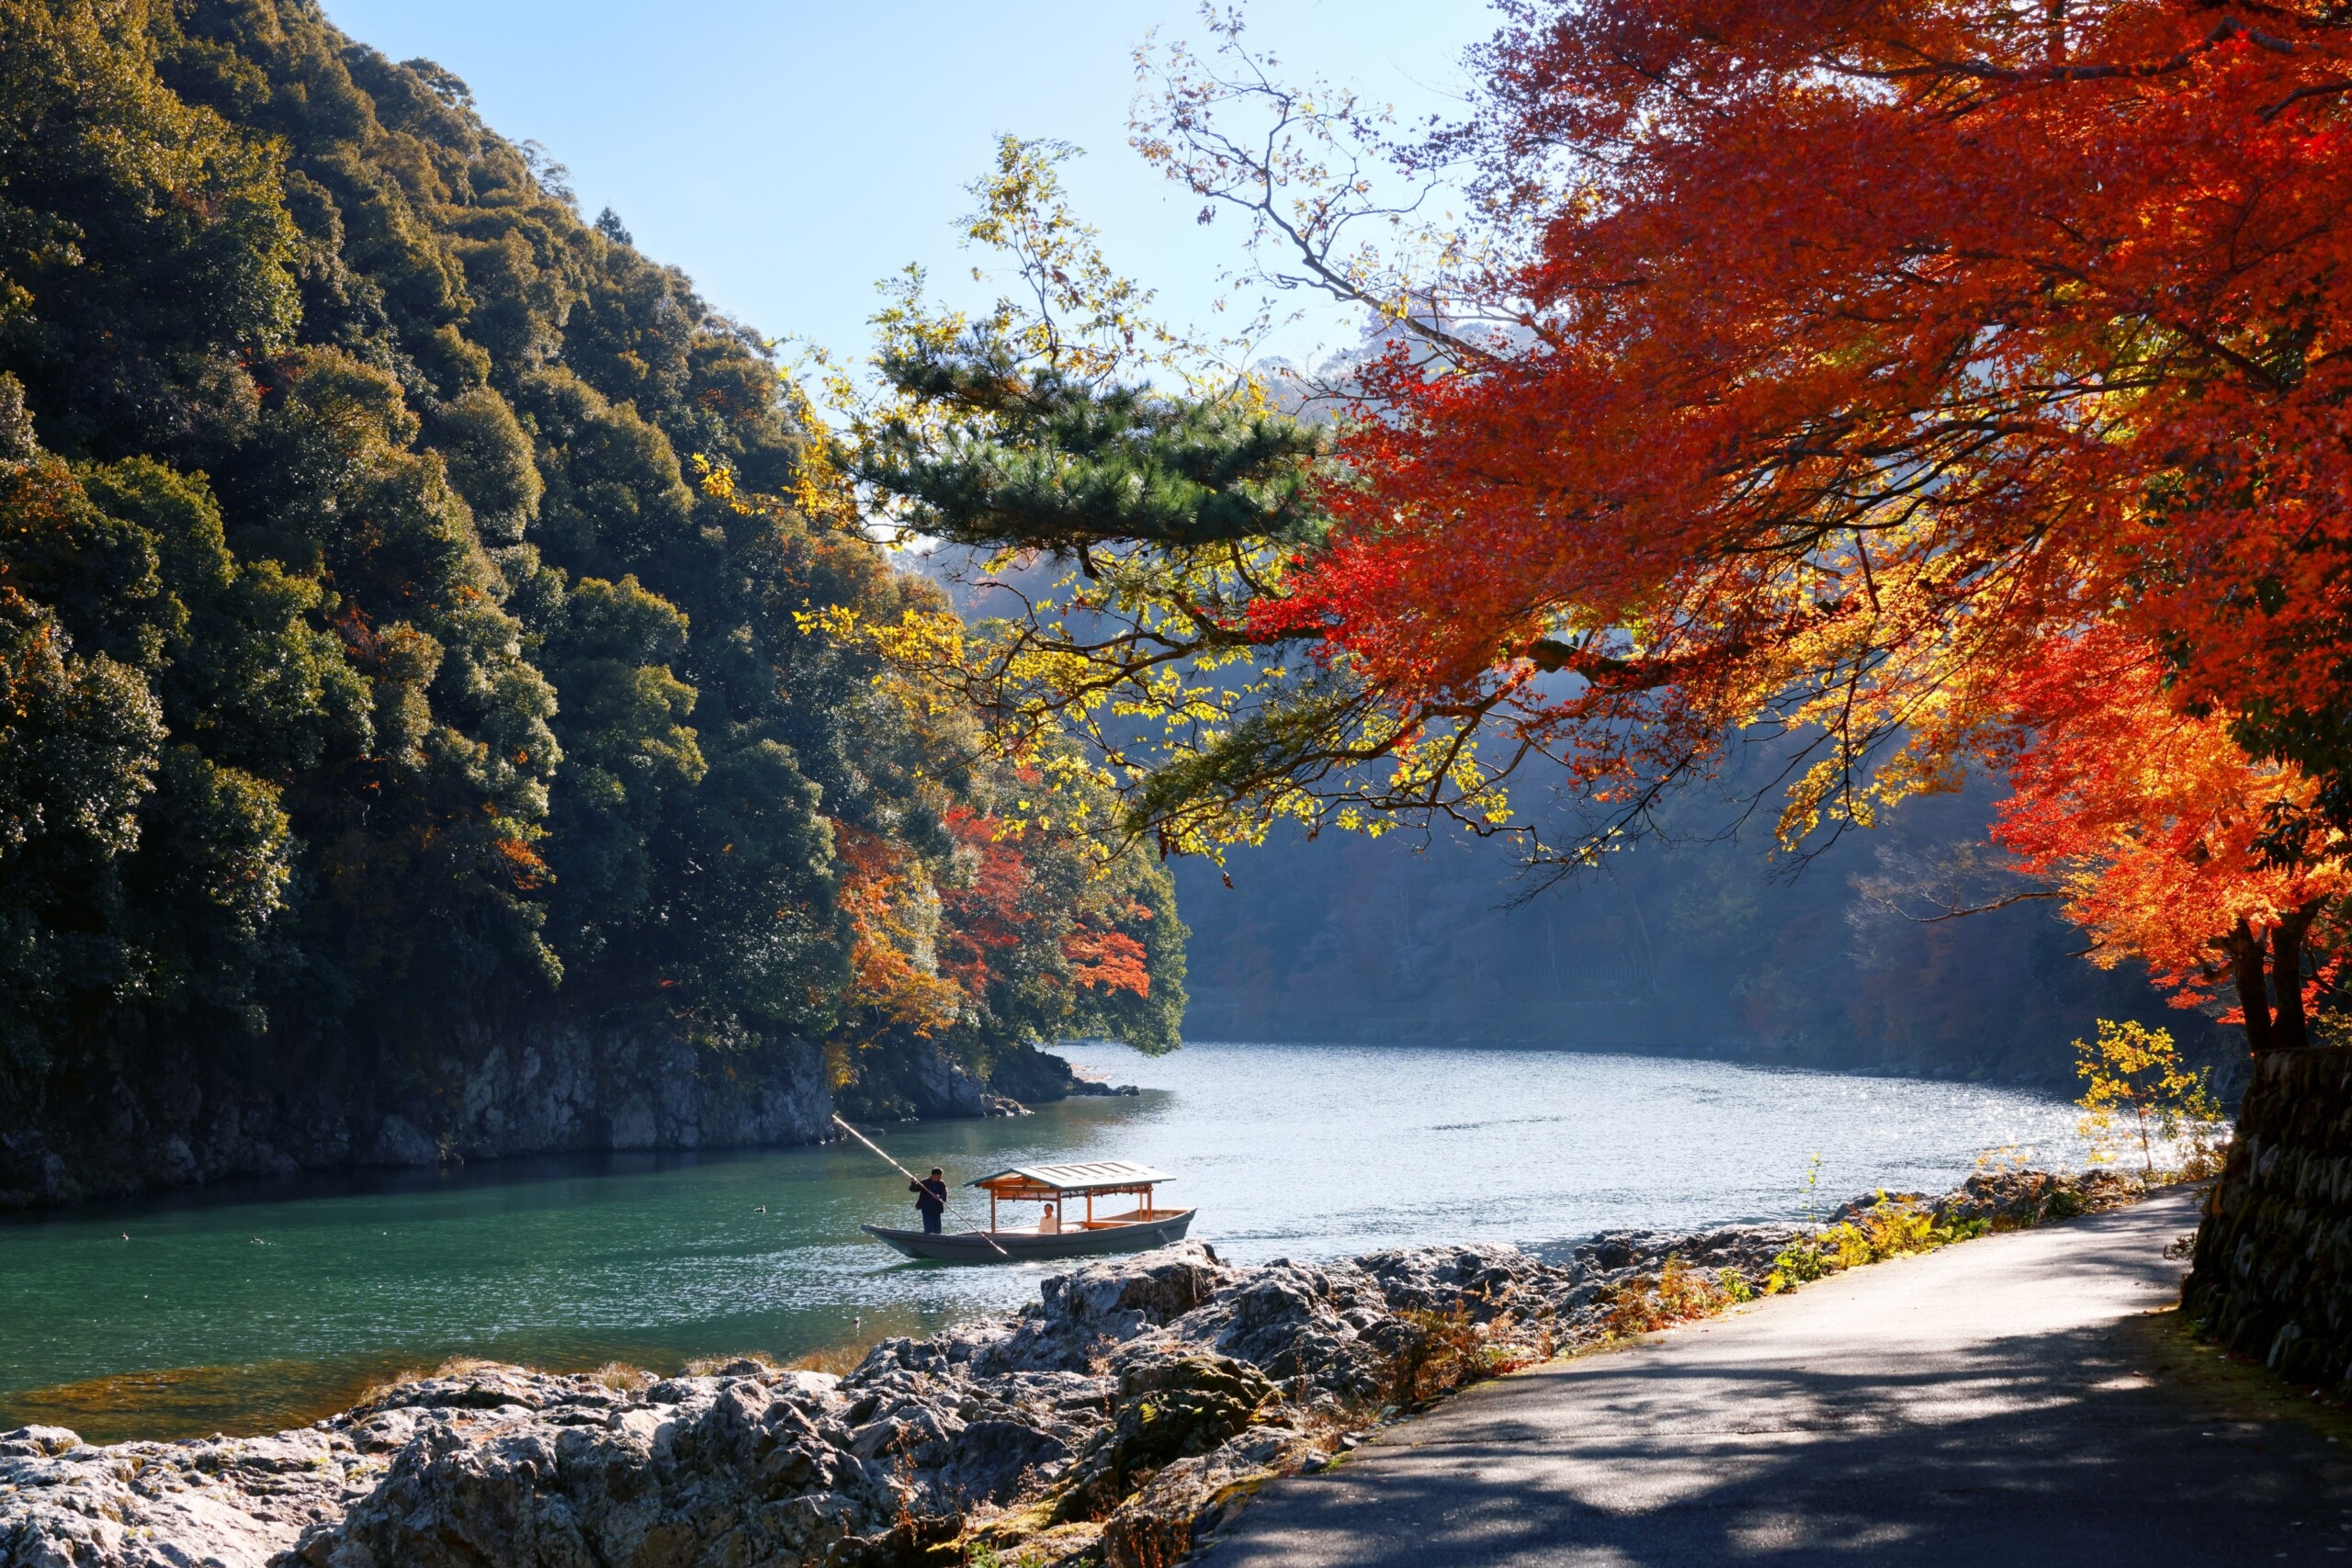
{"x":405,"y":627}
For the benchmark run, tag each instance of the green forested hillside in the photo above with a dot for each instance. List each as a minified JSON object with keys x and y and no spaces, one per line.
{"x":377,"y":665}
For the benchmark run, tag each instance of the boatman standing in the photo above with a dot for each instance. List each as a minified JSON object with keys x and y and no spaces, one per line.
{"x":930,"y":1197}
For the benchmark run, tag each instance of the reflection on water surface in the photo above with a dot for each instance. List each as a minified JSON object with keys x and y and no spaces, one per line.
{"x":268,"y":1306}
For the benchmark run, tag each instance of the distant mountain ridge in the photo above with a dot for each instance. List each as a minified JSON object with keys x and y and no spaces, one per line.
{"x":1707,"y":949}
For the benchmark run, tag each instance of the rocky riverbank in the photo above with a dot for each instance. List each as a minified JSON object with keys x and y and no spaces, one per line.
{"x":1115,"y":1421}
{"x":560,"y":1087}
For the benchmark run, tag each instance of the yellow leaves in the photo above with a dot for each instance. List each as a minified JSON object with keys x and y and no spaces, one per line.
{"x":821,"y":489}
{"x":1927,"y":764}
{"x":1422,"y":762}
{"x":834,"y":623}
{"x":2124,"y":1052}
{"x":917,"y":639}
{"x":1801,"y":810}
{"x":1068,"y":794}
{"x":718,"y":482}
{"x":922,"y":653}
{"x":2136,"y":1090}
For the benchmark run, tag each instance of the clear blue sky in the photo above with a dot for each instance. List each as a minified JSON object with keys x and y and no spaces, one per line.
{"x":789,"y":154}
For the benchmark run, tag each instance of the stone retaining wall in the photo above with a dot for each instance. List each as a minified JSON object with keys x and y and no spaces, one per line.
{"x":2273,"y":1273}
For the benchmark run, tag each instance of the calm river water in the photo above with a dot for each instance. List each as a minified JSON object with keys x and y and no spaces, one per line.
{"x":241,"y":1313}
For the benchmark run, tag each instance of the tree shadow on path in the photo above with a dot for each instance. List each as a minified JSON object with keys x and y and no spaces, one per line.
{"x":2033,"y":1450}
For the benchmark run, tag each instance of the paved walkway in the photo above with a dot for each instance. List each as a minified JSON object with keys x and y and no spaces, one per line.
{"x":1986,"y":1405}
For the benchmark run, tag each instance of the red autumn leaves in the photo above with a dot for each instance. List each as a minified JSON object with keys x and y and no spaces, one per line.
{"x":1944,"y":380}
{"x":924,"y":955}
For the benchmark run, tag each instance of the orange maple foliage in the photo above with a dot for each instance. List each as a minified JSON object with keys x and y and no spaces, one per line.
{"x":1859,"y":356}
{"x":2154,"y":826}
{"x":1001,"y":907}
{"x":923,"y":956}
{"x":989,"y":915}
{"x":521,"y":862}
{"x":892,"y":968}
{"x":1112,"y":960}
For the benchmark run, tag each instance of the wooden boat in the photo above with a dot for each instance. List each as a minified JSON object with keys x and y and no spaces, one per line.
{"x":1088,"y":1235}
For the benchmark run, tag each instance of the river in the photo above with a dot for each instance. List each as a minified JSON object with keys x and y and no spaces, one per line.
{"x":245,"y":1310}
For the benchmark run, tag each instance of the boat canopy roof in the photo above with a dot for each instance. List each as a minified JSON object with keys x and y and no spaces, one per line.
{"x":1083,"y":1176}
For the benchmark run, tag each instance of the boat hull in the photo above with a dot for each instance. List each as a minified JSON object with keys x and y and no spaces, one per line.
{"x":1022,"y":1246}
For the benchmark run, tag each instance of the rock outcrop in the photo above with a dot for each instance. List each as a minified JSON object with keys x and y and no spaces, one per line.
{"x":1121,"y":1417}
{"x":557,"y":1089}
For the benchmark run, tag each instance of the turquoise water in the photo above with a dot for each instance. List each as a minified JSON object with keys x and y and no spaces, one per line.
{"x":246,"y":1311}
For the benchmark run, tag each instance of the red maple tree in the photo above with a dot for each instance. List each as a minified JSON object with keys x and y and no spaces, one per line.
{"x":2163,"y":838}
{"x":1875,"y":369}
{"x":1864,"y":370}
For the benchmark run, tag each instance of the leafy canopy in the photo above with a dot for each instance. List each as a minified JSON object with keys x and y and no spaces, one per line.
{"x":414,"y":623}
{"x":1827,"y":371}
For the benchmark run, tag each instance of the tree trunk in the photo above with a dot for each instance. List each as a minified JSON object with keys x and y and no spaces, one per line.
{"x":2288,"y":1028}
{"x":2254,"y":996}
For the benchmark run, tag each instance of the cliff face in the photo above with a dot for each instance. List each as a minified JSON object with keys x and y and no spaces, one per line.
{"x":148,"y":1120}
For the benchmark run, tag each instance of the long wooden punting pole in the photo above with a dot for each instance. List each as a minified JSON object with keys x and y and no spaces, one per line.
{"x":910,"y":1175}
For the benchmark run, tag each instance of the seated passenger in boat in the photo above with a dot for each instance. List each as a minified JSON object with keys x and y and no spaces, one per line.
{"x":1050,"y":1224}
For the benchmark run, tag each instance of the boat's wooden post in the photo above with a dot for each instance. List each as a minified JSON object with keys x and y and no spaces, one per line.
{"x":991,"y":1210}
{"x":1090,"y":1210}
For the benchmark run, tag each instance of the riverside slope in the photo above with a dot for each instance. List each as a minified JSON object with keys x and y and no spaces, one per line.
{"x":559,"y":1087}
{"x":1982,"y":1404}
{"x":1117,"y":1421}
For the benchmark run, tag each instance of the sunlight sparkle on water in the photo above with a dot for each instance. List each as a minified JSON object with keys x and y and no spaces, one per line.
{"x":1285,"y":1150}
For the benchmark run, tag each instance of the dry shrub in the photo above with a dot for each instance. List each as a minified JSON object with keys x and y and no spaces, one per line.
{"x":2202,"y":1157}
{"x":467,"y":1366}
{"x":1023,"y":1536}
{"x":376,"y":1391}
{"x":1451,"y":1350}
{"x":621,"y":1378}
{"x":707,"y":1366}
{"x":838,"y":1360}
{"x":455,"y":1367}
{"x":1679,"y":1293}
